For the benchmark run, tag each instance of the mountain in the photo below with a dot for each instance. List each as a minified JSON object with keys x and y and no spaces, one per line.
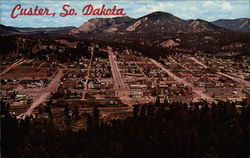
{"x":154,"y":23}
{"x":155,"y":34}
{"x":102,"y":25}
{"x":241,"y":24}
{"x":5,"y":30}
{"x":200,"y":25}
{"x":160,"y":32}
{"x":158,"y":22}
{"x":46,"y":30}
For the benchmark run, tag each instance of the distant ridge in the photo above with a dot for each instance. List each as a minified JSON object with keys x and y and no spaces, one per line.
{"x":156,"y":22}
{"x":241,"y":24}
{"x":29,"y":30}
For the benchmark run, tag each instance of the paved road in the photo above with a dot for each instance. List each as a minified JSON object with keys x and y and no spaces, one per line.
{"x":239,"y":80}
{"x":142,"y":71}
{"x":19,"y":62}
{"x":199,"y":93}
{"x":43,"y":94}
{"x":88,"y":74}
{"x":195,"y":60}
{"x":89,"y":68}
{"x":118,"y":82}
{"x":180,"y":65}
{"x":41,"y":64}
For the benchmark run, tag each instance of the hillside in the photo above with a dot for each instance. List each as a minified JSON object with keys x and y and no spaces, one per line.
{"x":241,"y":24}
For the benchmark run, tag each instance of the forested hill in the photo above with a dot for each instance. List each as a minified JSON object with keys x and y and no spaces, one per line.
{"x":154,"y":131}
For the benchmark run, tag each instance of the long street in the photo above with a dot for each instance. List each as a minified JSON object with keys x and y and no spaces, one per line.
{"x":118,"y":82}
{"x":19,"y":62}
{"x":199,"y":93}
{"x":236,"y":79}
{"x":88,"y":74}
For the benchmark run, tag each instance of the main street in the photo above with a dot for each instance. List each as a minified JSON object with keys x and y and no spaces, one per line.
{"x":118,"y":82}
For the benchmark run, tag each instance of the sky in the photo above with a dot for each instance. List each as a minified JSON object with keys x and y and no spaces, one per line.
{"x":188,"y":9}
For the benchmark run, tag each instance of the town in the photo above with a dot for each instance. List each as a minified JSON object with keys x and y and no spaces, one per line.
{"x":152,"y":84}
{"x":116,"y":80}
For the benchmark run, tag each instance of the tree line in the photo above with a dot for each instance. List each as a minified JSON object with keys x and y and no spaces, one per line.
{"x":173,"y":130}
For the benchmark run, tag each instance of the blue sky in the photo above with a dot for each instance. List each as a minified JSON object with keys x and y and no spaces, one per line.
{"x":189,"y":9}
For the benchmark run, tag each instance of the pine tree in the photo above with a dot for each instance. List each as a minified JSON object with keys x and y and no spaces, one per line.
{"x":4,"y":108}
{"x":96,"y":116}
{"x":89,"y":122}
{"x":166,"y":101}
{"x":135,"y":111}
{"x":75,"y":112}
{"x":66,"y":116}
{"x":157,"y":101}
{"x":40,"y":110}
{"x":48,"y":110}
{"x":143,"y":111}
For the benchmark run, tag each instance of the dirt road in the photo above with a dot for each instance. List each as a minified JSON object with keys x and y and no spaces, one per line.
{"x":19,"y":62}
{"x":236,"y":79}
{"x":198,"y":92}
{"x":43,"y":94}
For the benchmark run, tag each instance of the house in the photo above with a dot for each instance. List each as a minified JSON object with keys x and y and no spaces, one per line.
{"x":137,"y":94}
{"x":173,"y":66}
{"x":19,"y":103}
{"x":138,"y":86}
{"x":20,"y":97}
{"x":91,"y":85}
{"x":210,"y":85}
{"x":200,"y":84}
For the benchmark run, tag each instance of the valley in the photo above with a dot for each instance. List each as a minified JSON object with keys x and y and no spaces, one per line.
{"x":122,"y":87}
{"x":121,"y":62}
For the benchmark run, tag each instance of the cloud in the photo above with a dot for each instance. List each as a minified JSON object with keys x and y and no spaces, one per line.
{"x":155,"y":6}
{"x":193,"y":8}
{"x":208,"y":10}
{"x":208,"y":3}
{"x":226,"y":6}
